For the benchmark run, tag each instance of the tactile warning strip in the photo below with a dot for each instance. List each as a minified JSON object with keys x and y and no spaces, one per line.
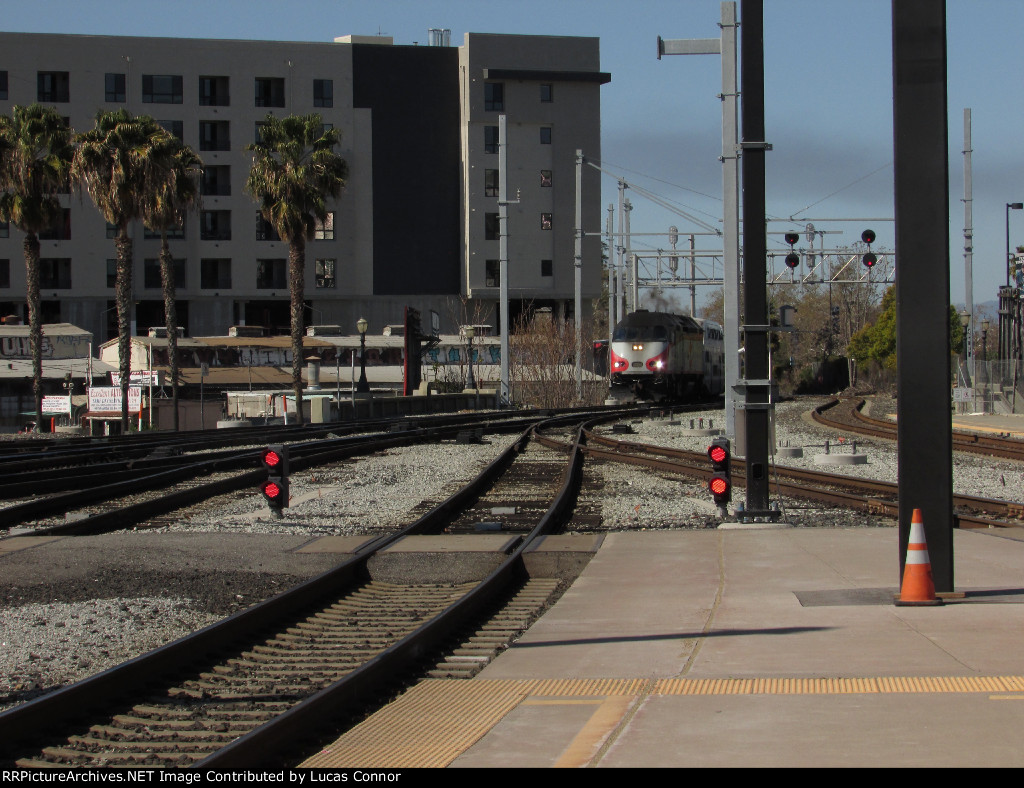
{"x":439,"y":719}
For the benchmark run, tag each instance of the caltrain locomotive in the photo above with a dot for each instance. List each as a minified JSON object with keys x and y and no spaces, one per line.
{"x":659,"y":356}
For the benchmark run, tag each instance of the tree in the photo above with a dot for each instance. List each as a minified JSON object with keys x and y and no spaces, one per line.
{"x":294,"y":171}
{"x":115,"y":163}
{"x":174,"y":192}
{"x":36,"y":152}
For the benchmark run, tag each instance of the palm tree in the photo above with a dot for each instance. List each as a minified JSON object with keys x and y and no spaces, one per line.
{"x":115,"y":164}
{"x":35,"y":162}
{"x":174,"y":192}
{"x":294,"y":171}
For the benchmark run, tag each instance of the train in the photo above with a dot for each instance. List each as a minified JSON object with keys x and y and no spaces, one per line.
{"x":658,"y":356}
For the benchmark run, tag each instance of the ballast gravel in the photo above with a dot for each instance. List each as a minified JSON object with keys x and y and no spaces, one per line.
{"x":55,"y":632}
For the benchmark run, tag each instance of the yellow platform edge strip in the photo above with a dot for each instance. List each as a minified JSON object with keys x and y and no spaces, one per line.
{"x":439,"y":719}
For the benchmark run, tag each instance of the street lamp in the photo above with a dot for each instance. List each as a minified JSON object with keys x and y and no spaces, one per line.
{"x":362,"y":386}
{"x":1009,"y":264}
{"x":470,"y":381}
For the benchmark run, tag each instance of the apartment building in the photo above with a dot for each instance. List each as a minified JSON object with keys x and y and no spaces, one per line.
{"x":416,"y":224}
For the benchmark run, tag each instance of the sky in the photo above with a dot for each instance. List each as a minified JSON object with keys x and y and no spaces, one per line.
{"x":828,"y":97}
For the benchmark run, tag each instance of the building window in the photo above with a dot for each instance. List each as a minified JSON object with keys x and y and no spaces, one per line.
{"x":545,"y":135}
{"x":5,"y":230}
{"x":216,"y":225}
{"x":161,"y":89}
{"x":547,"y":267}
{"x":213,"y":92}
{"x":215,"y":274}
{"x":153,"y":279}
{"x":323,"y":92}
{"x":545,"y":221}
{"x":5,"y":273}
{"x":325,"y":273}
{"x":265,"y":230}
{"x":269,"y":91}
{"x":173,"y":233}
{"x":174,"y":127}
{"x":60,"y":230}
{"x":111,"y":273}
{"x":490,"y":183}
{"x":272,"y":274}
{"x":492,"y":227}
{"x":214,"y":135}
{"x":545,"y":178}
{"x":53,"y":86}
{"x":324,"y":231}
{"x":547,"y":93}
{"x":216,"y":180}
{"x":490,"y":139}
{"x":494,"y":96}
{"x":3,"y":85}
{"x":111,"y":230}
{"x":114,"y":87}
{"x":54,"y":273}
{"x":492,"y":273}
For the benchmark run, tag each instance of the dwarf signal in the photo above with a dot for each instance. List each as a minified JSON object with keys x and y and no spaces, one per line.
{"x":720,"y":483}
{"x":275,"y":488}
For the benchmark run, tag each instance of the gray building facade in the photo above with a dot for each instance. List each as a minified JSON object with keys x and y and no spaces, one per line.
{"x":412,"y":228}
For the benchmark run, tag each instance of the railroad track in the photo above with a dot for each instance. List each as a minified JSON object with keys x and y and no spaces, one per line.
{"x":872,"y":496}
{"x":257,"y":684}
{"x":848,"y":415}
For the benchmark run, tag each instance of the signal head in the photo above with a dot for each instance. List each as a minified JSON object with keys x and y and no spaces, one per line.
{"x":718,"y":453}
{"x":792,"y":259}
{"x":868,"y":237}
{"x":792,"y":238}
{"x":869,"y":259}
{"x":271,"y":458}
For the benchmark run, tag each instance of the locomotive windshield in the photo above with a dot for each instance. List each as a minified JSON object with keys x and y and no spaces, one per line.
{"x":625,"y":333}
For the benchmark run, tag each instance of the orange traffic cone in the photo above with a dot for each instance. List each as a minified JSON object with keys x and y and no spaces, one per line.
{"x":918,"y":585}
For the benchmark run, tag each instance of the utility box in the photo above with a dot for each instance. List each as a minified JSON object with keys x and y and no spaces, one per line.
{"x":740,"y":445}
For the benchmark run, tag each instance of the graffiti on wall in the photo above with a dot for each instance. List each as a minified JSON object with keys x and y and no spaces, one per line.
{"x":60,"y":346}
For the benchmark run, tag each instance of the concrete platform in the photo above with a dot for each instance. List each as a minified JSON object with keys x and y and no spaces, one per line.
{"x":736,"y":648}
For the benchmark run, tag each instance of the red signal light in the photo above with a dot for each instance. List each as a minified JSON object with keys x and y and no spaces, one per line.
{"x":719,"y":485}
{"x":792,"y":238}
{"x":717,"y":453}
{"x":869,"y":259}
{"x":272,"y":490}
{"x":271,"y":458}
{"x":792,"y":260}
{"x":868,"y":237}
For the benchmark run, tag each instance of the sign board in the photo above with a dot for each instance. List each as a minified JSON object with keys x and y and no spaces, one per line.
{"x":107,"y":399}
{"x":57,"y":404}
{"x":963,"y":394}
{"x":144,"y":377}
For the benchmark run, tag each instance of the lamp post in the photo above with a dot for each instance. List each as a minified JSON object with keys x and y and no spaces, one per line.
{"x":1015,"y":206}
{"x":470,"y":380}
{"x":362,"y":387}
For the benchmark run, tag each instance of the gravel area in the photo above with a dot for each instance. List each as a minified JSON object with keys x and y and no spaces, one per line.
{"x":159,"y":585}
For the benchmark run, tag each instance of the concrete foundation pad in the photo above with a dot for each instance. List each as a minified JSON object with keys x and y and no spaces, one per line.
{"x":840,"y":459}
{"x":789,"y":452}
{"x":451,"y":558}
{"x":736,"y":526}
{"x":563,"y":556}
{"x":707,"y":433}
{"x":335,"y":544}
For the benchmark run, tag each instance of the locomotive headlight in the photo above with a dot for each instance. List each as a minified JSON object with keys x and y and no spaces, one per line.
{"x":638,"y":346}
{"x":659,"y":364}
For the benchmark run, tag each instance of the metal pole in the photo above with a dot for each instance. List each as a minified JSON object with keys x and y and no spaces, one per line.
{"x":969,"y":244}
{"x":755,"y":250}
{"x":621,"y":251}
{"x":578,"y":269}
{"x":505,"y":394}
{"x":921,"y":162}
{"x":611,"y":281}
{"x":730,"y":215}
